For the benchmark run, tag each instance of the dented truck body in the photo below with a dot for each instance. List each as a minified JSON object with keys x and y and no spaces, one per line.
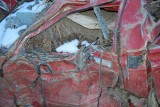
{"x":125,"y":75}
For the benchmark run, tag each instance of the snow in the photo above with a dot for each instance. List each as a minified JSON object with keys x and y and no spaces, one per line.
{"x":2,"y":28}
{"x":9,"y":35}
{"x":36,"y":8}
{"x":70,"y":47}
{"x":85,"y":43}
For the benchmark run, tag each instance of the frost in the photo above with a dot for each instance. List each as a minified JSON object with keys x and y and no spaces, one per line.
{"x":70,"y":47}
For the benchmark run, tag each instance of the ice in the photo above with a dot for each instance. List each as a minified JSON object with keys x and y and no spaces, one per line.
{"x":10,"y":36}
{"x":70,"y":47}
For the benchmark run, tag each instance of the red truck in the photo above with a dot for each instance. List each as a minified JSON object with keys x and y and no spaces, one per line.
{"x":119,"y":68}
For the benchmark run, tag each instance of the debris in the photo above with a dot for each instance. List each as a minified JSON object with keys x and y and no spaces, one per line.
{"x":3,"y":14}
{"x":104,"y":62}
{"x":67,"y":30}
{"x":101,"y":21}
{"x":84,"y":20}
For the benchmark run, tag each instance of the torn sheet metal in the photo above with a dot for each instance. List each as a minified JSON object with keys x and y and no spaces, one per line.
{"x":69,"y":86}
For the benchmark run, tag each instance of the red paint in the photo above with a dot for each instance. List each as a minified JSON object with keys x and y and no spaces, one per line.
{"x":10,"y":3}
{"x":70,"y":87}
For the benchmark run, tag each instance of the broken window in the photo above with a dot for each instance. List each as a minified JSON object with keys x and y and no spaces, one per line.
{"x":72,"y":28}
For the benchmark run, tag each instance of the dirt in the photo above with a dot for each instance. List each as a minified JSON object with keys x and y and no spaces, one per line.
{"x":153,"y":8}
{"x":66,"y":30}
{"x":3,"y":14}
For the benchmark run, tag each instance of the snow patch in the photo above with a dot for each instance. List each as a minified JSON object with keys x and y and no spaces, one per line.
{"x":2,"y":28}
{"x":35,"y":8}
{"x":70,"y":47}
{"x":85,"y":43}
{"x":10,"y":36}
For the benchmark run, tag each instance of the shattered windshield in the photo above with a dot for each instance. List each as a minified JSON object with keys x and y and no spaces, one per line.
{"x":16,"y":23}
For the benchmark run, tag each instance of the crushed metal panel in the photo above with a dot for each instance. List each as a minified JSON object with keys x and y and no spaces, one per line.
{"x":83,"y":85}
